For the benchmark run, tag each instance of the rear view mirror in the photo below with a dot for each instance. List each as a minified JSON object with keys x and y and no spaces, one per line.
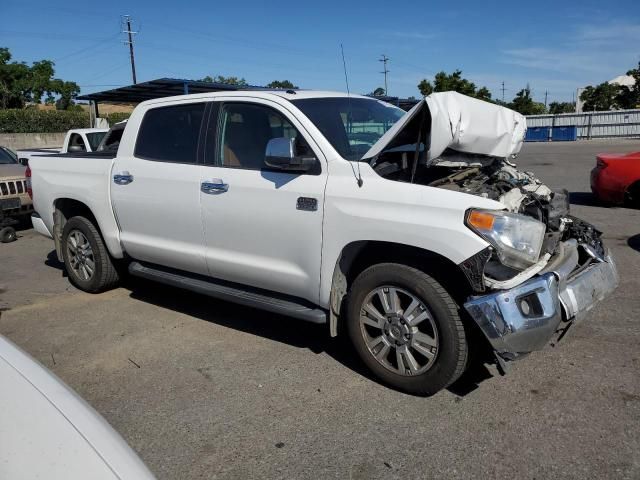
{"x":75,"y":148}
{"x":280,"y":155}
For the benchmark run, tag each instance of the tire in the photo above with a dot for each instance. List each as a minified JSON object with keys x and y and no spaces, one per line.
{"x":632,"y":196}
{"x":8,"y":235}
{"x":94,"y":257}
{"x":438,"y":346}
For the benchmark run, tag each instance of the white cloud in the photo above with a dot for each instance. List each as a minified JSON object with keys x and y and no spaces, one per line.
{"x":558,"y":60}
{"x":594,"y":51}
{"x":610,"y":32}
{"x":415,"y":35}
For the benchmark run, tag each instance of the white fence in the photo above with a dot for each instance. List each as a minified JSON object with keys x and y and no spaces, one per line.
{"x":611,"y":124}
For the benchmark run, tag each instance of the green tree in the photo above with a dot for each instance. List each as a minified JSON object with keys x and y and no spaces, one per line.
{"x":284,"y":84}
{"x":240,"y":82}
{"x":21,"y":84}
{"x":483,"y":93}
{"x":524,"y":103}
{"x":629,"y":96}
{"x":68,"y":91}
{"x":378,"y":92}
{"x":601,"y":97}
{"x":453,"y":82}
{"x":14,"y":85}
{"x":562,"y":107}
{"x":425,"y":87}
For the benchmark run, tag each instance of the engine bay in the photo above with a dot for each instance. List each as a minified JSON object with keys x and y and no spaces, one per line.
{"x":520,"y":192}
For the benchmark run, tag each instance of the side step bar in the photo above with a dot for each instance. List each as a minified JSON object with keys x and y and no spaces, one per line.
{"x":230,"y":292}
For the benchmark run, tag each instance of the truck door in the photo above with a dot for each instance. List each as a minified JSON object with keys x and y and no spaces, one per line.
{"x":262,"y":228}
{"x":155,"y":189}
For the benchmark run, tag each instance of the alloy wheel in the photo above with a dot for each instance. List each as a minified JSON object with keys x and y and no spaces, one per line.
{"x":80,"y":255}
{"x":399,"y":330}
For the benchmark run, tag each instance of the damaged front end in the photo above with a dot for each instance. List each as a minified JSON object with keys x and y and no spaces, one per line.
{"x":543,"y":267}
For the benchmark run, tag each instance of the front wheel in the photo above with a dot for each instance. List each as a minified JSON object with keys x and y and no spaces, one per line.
{"x":406,"y":328}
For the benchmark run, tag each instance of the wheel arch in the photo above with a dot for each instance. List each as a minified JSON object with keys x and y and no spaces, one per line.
{"x":65,"y":208}
{"x":356,"y":256}
{"x":632,"y":193}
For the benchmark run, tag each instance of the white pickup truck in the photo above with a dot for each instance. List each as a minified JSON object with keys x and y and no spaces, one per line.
{"x":412,"y":233}
{"x":75,"y":141}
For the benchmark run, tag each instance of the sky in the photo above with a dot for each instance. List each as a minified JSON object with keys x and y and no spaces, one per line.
{"x":553,"y":46}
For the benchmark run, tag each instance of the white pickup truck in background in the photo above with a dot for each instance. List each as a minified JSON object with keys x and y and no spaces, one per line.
{"x":76,"y":141}
{"x":413,"y":232}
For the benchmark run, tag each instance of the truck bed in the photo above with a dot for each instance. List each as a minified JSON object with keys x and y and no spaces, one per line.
{"x":83,"y":178}
{"x":105,"y":154}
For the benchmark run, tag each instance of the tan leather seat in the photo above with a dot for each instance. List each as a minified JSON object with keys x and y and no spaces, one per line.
{"x":245,"y":142}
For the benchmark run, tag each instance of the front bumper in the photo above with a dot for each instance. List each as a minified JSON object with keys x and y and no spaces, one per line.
{"x":523,"y":319}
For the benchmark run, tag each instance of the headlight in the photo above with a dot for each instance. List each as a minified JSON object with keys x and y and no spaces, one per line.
{"x":516,"y":238}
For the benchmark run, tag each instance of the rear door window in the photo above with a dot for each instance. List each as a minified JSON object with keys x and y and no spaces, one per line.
{"x":170,"y":134}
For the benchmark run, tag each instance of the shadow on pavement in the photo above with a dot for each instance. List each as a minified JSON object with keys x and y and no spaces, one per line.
{"x":587,"y":199}
{"x":53,"y":262}
{"x":274,"y":327}
{"x":474,"y":375}
{"x":634,"y":242}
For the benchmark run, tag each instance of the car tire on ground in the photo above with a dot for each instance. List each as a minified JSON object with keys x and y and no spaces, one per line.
{"x":86,"y":258}
{"x":406,"y":328}
{"x":8,"y":234}
{"x":632,"y":196}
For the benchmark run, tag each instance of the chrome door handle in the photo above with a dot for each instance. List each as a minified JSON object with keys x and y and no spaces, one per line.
{"x":213,"y":186}
{"x":122,"y":178}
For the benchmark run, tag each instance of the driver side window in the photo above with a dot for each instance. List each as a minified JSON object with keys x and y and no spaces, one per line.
{"x":244,"y":131}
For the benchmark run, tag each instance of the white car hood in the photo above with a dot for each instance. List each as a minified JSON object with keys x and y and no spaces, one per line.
{"x":464,"y":124}
{"x":48,"y":432}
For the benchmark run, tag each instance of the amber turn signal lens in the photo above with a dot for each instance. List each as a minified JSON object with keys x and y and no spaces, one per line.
{"x":481,"y":220}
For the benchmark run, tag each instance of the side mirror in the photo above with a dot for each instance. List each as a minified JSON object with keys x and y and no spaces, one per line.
{"x":280,"y":155}
{"x":75,"y":148}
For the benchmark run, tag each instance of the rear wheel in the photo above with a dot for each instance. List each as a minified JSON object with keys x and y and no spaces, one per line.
{"x":406,"y":328}
{"x":87,"y":261}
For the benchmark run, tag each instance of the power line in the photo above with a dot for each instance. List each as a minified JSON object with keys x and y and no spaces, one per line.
{"x":126,"y":20}
{"x":384,"y":61}
{"x":87,"y":48}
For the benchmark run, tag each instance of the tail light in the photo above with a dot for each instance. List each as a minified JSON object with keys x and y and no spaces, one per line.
{"x":27,"y":174}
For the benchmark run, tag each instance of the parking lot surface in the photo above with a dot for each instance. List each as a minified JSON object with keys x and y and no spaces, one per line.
{"x":206,"y":389}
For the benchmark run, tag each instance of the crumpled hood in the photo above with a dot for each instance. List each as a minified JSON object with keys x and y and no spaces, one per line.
{"x":461,"y":123}
{"x":12,"y":171}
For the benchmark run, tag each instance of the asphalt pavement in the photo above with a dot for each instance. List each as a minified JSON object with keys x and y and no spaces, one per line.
{"x":206,"y":389}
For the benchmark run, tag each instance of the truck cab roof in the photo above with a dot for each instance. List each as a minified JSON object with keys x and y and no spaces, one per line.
{"x":259,"y":93}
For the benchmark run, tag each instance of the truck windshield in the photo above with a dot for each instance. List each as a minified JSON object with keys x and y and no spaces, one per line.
{"x":7,"y":157}
{"x":351,"y":125}
{"x":95,"y":139}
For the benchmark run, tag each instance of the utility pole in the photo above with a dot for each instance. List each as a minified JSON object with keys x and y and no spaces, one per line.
{"x":384,"y":61}
{"x":502,"y":91}
{"x":126,"y":23}
{"x":545,"y":98}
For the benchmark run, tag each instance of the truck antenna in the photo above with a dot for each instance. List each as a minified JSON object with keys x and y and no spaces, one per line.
{"x":349,"y":115}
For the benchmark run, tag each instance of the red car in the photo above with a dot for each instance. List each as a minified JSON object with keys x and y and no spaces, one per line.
{"x":616,"y":178}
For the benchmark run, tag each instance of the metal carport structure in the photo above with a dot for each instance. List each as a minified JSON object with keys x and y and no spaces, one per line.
{"x":161,"y":87}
